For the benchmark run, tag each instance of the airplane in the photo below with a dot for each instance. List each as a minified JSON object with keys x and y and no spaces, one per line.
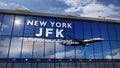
{"x":82,"y":43}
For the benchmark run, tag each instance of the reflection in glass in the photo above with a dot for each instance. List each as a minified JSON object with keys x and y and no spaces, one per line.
{"x":2,"y":65}
{"x":43,"y":65}
{"x":9,"y":65}
{"x":89,"y":52}
{"x":38,"y":50}
{"x":29,"y":29}
{"x":80,"y":52}
{"x":4,"y":46}
{"x":18,"y":26}
{"x":103,"y":30}
{"x":78,"y":30}
{"x":111,"y":32}
{"x":27,"y":49}
{"x":98,"y":50}
{"x":7,"y":25}
{"x":92,"y":65}
{"x":87,"y":30}
{"x":117,"y":29}
{"x":70,"y":52}
{"x":26,"y":65}
{"x":106,"y":50}
{"x":49,"y":50}
{"x":59,"y":50}
{"x":17,"y":65}
{"x":15,"y":47}
{"x":115,"y":50}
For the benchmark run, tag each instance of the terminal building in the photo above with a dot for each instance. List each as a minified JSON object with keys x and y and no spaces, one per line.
{"x":41,"y":40}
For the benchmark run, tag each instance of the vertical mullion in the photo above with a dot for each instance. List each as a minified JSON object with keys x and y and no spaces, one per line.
{"x":10,"y":40}
{"x":93,"y":45}
{"x":116,"y":38}
{"x":101,"y":42}
{"x":109,"y":43}
{"x":33,"y":43}
{"x":22,"y":40}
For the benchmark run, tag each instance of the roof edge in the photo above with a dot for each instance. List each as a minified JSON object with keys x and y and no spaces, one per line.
{"x":23,"y":12}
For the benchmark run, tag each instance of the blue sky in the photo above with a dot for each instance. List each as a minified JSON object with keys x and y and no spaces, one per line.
{"x":84,"y":8}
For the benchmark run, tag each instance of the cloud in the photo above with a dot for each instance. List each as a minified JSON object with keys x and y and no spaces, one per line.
{"x":115,"y":54}
{"x":11,"y":5}
{"x":2,"y":26}
{"x":91,"y":8}
{"x":27,"y":47}
{"x":70,"y":53}
{"x":15,"y":48}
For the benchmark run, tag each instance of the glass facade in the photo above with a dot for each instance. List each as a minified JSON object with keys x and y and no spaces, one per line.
{"x":39,"y":42}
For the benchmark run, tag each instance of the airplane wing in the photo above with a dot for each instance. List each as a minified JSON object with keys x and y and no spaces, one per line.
{"x":93,"y":40}
{"x":76,"y":40}
{"x":71,"y":43}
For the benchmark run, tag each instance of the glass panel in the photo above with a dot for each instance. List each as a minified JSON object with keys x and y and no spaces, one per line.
{"x":34,"y":65}
{"x":106,"y":50}
{"x":70,"y":35}
{"x":29,"y":26}
{"x":4,"y":46}
{"x":27,"y":49}
{"x":103,"y":30}
{"x":114,"y":50}
{"x":7,"y":25}
{"x":97,"y":45}
{"x":92,"y":65}
{"x":59,"y":50}
{"x":63,"y":65}
{"x":15,"y":47}
{"x":53,"y":27}
{"x":57,"y":65}
{"x":79,"y":35}
{"x":89,"y":54}
{"x":98,"y":50}
{"x":40,"y":26}
{"x":80,"y":52}
{"x":49,"y":50}
{"x":71,"y":65}
{"x":1,"y":16}
{"x":18,"y":26}
{"x":42,"y":65}
{"x":95,"y":30}
{"x":87,"y":30}
{"x":17,"y":65}
{"x":109,"y":65}
{"x":78,"y":65}
{"x":38,"y":50}
{"x":84,"y":65}
{"x":9,"y":65}
{"x":79,"y":30}
{"x":26,"y":65}
{"x":2,"y":65}
{"x":60,"y":47}
{"x":49,"y":65}
{"x":70,"y":52}
{"x":117,"y":27}
{"x":111,"y":32}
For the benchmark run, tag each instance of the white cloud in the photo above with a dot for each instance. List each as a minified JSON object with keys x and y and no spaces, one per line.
{"x":3,"y":26}
{"x":27,"y":47}
{"x":70,"y":53}
{"x":91,"y":8}
{"x":115,"y":56}
{"x":4,"y":5}
{"x":15,"y":48}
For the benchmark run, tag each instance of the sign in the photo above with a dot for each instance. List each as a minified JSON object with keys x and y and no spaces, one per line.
{"x":60,"y":26}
